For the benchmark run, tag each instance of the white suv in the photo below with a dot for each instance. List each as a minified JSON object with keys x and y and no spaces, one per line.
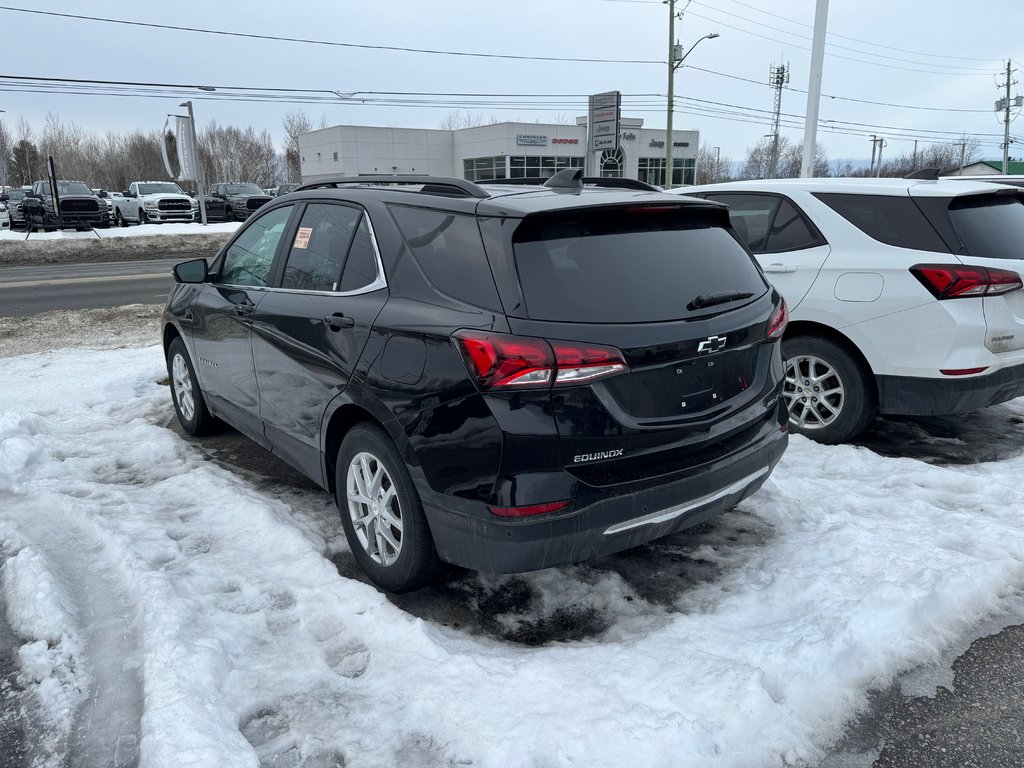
{"x":904,"y":295}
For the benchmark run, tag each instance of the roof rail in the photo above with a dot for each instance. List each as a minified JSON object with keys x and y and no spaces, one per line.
{"x":432,"y":185}
{"x":924,"y":174}
{"x":593,"y":181}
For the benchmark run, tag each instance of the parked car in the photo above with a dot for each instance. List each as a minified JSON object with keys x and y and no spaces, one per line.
{"x":5,"y":216}
{"x":79,"y":207}
{"x":153,"y":202}
{"x":234,"y":201}
{"x":1010,"y":180}
{"x":905,"y":295}
{"x":284,"y":189}
{"x":12,"y":200}
{"x":480,"y":375}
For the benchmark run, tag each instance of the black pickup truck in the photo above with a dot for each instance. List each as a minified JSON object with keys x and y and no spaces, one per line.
{"x":233,"y":201}
{"x":80,"y":208}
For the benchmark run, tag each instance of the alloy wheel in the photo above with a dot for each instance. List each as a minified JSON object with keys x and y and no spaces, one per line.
{"x":183,"y":387}
{"x":813,"y":391}
{"x":374,"y":508}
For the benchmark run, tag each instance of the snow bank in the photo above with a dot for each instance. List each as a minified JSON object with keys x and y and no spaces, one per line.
{"x":142,"y":230}
{"x":845,"y":569}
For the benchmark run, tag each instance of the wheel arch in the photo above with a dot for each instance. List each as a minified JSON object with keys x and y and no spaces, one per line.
{"x":811,"y":328}
{"x":171,"y":333}
{"x":345,"y":412}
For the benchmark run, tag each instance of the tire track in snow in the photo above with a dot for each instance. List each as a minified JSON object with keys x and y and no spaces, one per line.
{"x":106,"y":729}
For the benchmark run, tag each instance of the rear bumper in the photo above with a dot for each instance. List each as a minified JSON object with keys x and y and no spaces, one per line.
{"x":618,"y":520}
{"x":913,"y":396}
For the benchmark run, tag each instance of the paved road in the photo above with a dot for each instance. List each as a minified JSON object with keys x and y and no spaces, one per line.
{"x":45,"y":287}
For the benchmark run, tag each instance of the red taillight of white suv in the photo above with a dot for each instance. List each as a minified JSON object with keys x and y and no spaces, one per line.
{"x":503,"y":361}
{"x":961,"y":281}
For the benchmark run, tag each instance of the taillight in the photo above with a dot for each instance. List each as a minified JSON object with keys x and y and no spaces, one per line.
{"x":499,"y":360}
{"x":955,"y":281}
{"x":779,"y":320}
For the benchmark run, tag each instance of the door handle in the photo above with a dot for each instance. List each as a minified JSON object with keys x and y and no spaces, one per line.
{"x":337,"y":321}
{"x":779,"y":268}
{"x":244,"y":310}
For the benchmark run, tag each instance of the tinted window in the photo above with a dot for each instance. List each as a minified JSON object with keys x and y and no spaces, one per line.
{"x":751,"y":216}
{"x":361,"y":265}
{"x":991,"y":227}
{"x":621,"y":267}
{"x":248,"y":259}
{"x":448,"y":248}
{"x":889,"y":219}
{"x":318,"y":251}
{"x":789,"y":231}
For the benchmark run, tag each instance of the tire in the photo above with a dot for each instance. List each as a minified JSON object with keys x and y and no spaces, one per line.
{"x":119,"y":219}
{"x":143,"y":217}
{"x":188,"y":398}
{"x":829,"y":393}
{"x":229,"y":215}
{"x":367,"y":450}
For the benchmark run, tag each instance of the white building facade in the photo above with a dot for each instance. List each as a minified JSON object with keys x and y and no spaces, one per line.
{"x":499,"y":151}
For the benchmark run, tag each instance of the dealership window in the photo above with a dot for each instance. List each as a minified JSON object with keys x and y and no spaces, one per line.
{"x":526,"y":167}
{"x":484,"y":168}
{"x":652,"y":170}
{"x":612,"y":163}
{"x":335,"y":157}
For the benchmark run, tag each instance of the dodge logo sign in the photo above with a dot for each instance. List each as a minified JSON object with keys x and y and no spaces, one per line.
{"x":711,"y":344}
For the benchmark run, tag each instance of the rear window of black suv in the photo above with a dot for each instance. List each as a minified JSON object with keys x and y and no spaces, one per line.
{"x":629,"y":265}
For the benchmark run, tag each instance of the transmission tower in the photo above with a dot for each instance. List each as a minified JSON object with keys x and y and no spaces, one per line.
{"x":778,"y":78}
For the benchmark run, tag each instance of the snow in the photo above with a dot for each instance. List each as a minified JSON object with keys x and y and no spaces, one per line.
{"x":141,"y":230}
{"x":750,"y":643}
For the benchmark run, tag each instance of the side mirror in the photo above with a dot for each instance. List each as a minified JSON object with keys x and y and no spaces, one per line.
{"x":194,"y":271}
{"x":4,"y":198}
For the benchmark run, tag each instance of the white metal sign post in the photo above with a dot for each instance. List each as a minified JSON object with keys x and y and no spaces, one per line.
{"x":603,"y":122}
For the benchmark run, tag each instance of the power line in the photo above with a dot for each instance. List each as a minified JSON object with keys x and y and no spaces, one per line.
{"x":363,"y":46}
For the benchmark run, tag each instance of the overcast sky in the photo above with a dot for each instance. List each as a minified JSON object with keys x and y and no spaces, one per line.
{"x":927,"y":53}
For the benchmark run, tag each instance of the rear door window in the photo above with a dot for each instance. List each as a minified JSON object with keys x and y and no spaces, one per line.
{"x":790,"y":231}
{"x":624,"y":266}
{"x":318,"y":251}
{"x":991,"y":227}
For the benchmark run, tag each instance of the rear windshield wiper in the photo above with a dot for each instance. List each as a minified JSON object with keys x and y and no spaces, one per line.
{"x":711,"y":299}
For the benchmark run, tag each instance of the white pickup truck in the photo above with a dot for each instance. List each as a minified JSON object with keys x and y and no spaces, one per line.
{"x":154,"y":202}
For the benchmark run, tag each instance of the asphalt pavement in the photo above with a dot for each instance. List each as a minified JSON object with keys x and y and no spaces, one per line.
{"x":30,"y":290}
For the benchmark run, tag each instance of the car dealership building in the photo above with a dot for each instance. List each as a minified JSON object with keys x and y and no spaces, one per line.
{"x":498,"y":151}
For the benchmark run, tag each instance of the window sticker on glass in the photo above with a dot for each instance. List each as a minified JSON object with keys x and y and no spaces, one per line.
{"x":302,"y":237}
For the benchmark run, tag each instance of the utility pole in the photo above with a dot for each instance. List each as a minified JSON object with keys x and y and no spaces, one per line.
{"x":874,"y":146}
{"x":963,"y":150}
{"x":814,"y":89}
{"x":914,"y":162}
{"x":778,"y":78}
{"x":1004,"y":105}
{"x":671,"y":90}
{"x":877,"y":142}
{"x":676,"y":57}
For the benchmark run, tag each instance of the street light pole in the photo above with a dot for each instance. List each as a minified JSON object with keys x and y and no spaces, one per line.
{"x":674,"y":64}
{"x":200,"y":181}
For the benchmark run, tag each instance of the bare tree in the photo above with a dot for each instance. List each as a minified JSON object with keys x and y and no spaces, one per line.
{"x":759,"y":160}
{"x":458,"y":118}
{"x":6,"y":145}
{"x":295,"y":124}
{"x":233,"y":154}
{"x":711,"y":166}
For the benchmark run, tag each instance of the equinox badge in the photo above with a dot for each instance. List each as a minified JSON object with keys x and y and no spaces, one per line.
{"x":711,"y":344}
{"x":596,"y":456}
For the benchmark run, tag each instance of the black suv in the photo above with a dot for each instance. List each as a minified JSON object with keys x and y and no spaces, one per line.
{"x":234,"y":202}
{"x":502,"y":377}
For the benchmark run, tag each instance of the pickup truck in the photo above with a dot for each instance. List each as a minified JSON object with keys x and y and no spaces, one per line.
{"x":79,"y":207}
{"x":232,"y":201}
{"x":153,"y":202}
